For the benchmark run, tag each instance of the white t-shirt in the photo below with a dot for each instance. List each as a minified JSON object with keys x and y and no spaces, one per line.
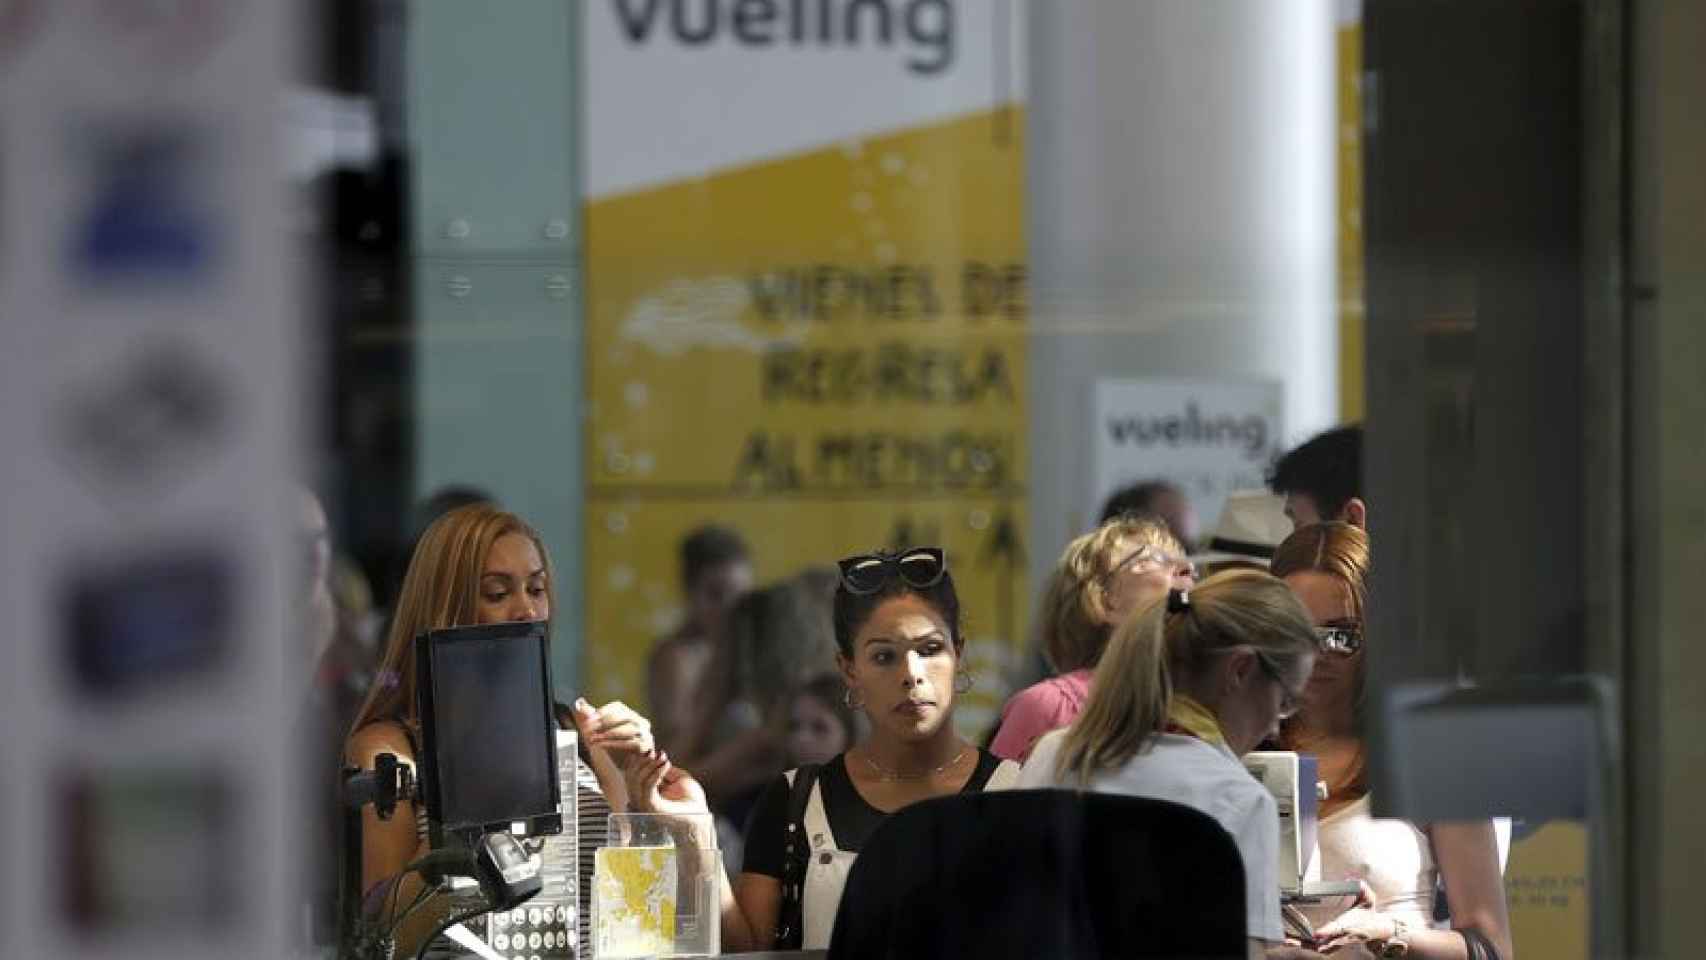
{"x":1189,"y":771}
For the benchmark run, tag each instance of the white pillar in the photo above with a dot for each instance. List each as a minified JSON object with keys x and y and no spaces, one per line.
{"x":1181,"y":207}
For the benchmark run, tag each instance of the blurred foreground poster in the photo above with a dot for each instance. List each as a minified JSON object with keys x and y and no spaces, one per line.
{"x":806,"y":302}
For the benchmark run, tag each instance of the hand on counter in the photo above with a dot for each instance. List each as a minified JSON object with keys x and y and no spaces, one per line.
{"x":1359,"y":924}
{"x":1349,"y":950}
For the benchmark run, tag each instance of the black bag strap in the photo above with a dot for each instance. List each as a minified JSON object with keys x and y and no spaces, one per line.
{"x":796,"y":855}
{"x":1480,"y":946}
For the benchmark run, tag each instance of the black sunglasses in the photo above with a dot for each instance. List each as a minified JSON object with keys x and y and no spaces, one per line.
{"x":1344,"y":639}
{"x":920,"y":568}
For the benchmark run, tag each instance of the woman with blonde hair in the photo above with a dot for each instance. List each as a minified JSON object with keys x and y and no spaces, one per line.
{"x":1326,"y":565}
{"x":474,"y":565}
{"x":1190,"y":684}
{"x":1102,"y":577}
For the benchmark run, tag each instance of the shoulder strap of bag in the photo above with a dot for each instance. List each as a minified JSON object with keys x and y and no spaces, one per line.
{"x":1480,"y":947}
{"x":1005,"y":777}
{"x":796,"y":855}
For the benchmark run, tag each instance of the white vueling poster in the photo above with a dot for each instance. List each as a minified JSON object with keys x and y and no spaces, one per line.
{"x":1208,"y":437}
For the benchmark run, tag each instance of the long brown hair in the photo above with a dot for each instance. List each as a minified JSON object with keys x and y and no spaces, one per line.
{"x":1074,"y":614}
{"x":1338,"y":550}
{"x":1133,"y":690}
{"x":440,"y":590}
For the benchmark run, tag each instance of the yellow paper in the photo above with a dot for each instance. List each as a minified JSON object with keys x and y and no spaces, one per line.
{"x":634,"y":901}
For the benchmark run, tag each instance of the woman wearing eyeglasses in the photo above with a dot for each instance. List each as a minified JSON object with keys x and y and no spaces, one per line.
{"x":900,"y":646}
{"x":1186,"y":687}
{"x":1326,"y":565}
{"x":1101,"y":578}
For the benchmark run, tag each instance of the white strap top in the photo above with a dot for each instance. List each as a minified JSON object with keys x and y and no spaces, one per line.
{"x":1392,"y":856}
{"x":826,"y":872}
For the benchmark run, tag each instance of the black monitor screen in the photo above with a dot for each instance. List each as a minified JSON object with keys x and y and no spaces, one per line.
{"x":489,"y":726}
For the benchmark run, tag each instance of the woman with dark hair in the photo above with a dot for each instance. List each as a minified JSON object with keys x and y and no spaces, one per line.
{"x":820,"y":723}
{"x":900,"y":654}
{"x":1326,"y":565}
{"x":772,"y":639}
{"x":716,"y":570}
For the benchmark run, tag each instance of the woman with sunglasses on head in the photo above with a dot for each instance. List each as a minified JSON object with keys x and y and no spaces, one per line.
{"x":474,"y":565}
{"x":897,"y":627}
{"x":1102,"y":577}
{"x":1186,"y":687}
{"x":1326,"y":565}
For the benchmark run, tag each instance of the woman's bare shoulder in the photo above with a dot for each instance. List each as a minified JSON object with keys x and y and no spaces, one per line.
{"x":380,"y":736}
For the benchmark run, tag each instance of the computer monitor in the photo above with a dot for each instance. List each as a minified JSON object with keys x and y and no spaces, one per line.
{"x":488,"y":730}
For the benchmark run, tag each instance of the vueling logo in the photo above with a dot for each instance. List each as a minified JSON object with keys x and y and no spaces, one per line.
{"x":924,"y":28}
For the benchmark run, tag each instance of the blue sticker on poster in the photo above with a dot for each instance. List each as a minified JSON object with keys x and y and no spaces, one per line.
{"x":149,"y":622}
{"x":146,"y":218}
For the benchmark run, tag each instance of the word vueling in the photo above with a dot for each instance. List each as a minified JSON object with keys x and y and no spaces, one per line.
{"x":924,"y":27}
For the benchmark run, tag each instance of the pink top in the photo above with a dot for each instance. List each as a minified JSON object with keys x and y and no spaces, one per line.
{"x":1037,"y":709}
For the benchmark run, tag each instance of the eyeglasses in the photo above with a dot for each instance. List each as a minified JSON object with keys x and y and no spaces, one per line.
{"x":1342,"y":638}
{"x":1290,"y":702}
{"x":919,"y":568}
{"x":1144,"y":559}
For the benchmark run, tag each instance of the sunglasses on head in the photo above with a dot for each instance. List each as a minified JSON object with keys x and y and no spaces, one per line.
{"x":919,"y":568}
{"x":1151,"y":558}
{"x":1339,"y":638}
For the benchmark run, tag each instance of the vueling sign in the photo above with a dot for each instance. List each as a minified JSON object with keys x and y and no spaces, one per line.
{"x":924,"y":29}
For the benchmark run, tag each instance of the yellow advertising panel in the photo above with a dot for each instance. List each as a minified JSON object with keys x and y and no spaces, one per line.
{"x":1547,"y":892}
{"x":1352,"y":295}
{"x":819,"y":342}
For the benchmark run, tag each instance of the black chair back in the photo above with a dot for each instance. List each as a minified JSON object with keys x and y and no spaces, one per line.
{"x":1044,"y":873}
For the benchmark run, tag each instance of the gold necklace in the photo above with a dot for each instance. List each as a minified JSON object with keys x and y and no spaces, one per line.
{"x":894,"y":776}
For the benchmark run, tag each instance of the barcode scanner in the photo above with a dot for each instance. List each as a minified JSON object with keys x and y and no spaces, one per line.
{"x":508,"y":876}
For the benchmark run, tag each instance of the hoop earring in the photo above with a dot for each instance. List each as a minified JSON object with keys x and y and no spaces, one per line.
{"x":847,"y":700}
{"x":969,"y":681}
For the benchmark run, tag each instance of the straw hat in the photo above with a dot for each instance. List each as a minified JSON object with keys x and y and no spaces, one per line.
{"x":1251,"y":525}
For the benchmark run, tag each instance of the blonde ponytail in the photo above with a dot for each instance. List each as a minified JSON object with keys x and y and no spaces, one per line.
{"x":1133,"y":689}
{"x":1129,"y":699}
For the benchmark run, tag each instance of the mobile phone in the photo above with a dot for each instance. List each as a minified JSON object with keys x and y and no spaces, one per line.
{"x":1297,"y":926}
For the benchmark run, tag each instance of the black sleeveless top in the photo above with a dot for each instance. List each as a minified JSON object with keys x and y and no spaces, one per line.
{"x":850,"y":817}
